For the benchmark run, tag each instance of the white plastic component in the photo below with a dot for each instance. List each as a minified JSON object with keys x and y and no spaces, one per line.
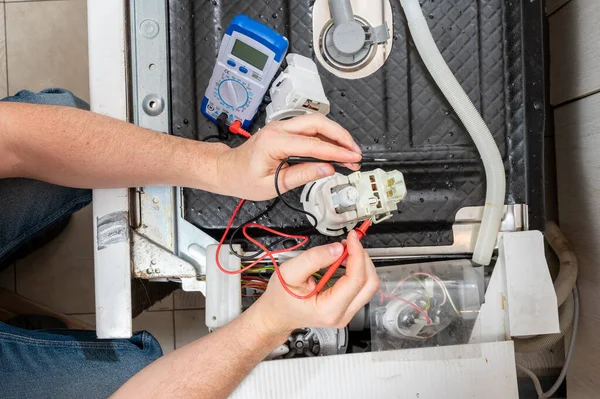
{"x":379,"y":190}
{"x":393,"y":312}
{"x":339,"y":202}
{"x":297,"y":90}
{"x":109,"y":96}
{"x":443,"y":372}
{"x":347,"y":196}
{"x":223,"y":291}
{"x":531,"y":297}
{"x":475,"y":125}
{"x":375,"y":14}
{"x":317,"y":199}
{"x":281,"y":350}
{"x":447,"y":291}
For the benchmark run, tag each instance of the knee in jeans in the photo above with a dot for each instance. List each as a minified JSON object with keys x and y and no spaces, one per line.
{"x":54,"y":96}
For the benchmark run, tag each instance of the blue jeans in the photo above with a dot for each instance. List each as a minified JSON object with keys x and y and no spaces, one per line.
{"x":28,"y":208}
{"x":60,"y":363}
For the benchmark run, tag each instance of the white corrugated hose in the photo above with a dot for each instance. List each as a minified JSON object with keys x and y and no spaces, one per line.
{"x":475,"y":125}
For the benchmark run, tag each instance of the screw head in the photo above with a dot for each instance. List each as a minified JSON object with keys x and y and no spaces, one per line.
{"x":149,"y":271}
{"x":149,"y":28}
{"x":153,"y":261}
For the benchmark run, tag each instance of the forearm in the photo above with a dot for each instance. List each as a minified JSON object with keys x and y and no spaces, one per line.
{"x":76,"y":148}
{"x":208,"y":368}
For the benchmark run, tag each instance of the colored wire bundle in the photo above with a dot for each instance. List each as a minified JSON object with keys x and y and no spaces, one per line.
{"x":447,"y":298}
{"x":267,"y":250}
{"x":268,"y":253}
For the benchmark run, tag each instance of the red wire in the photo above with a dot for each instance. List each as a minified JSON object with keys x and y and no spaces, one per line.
{"x":361,"y":231}
{"x":433,"y":277}
{"x":409,"y":303}
{"x":255,"y":279}
{"x":257,"y":261}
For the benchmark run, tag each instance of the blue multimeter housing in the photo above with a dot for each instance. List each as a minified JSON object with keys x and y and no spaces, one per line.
{"x":249,"y":57}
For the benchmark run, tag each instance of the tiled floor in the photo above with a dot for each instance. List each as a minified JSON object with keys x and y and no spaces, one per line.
{"x":44,"y":44}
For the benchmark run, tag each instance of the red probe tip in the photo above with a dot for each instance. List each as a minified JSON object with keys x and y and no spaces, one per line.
{"x":236,"y":128}
{"x":362,"y":229}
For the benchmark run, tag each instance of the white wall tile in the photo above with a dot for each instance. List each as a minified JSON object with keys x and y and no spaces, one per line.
{"x":577,"y":148}
{"x":47,"y":46}
{"x":60,"y":275}
{"x":7,"y":278}
{"x":89,"y":318}
{"x":160,"y":325}
{"x":574,"y":51}
{"x":189,"y":326}
{"x":553,"y":5}
{"x":189,"y":300}
{"x":165,"y":304}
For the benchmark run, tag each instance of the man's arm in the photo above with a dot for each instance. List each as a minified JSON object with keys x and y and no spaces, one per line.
{"x":76,"y":148}
{"x":213,"y":366}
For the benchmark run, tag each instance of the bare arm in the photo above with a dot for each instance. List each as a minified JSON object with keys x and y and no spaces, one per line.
{"x":210,"y":367}
{"x":75,"y":148}
{"x":213,"y":366}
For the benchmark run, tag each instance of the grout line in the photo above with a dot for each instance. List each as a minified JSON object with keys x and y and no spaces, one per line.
{"x":15,"y":276}
{"x":34,"y":1}
{"x":575,"y":99}
{"x":174,"y":332}
{"x":6,"y":65}
{"x":558,"y":9}
{"x":79,"y":314}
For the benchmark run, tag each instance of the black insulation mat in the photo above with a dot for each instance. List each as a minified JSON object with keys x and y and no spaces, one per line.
{"x":397,"y":113}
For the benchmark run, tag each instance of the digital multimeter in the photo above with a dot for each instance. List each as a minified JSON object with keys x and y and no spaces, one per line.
{"x":249,"y":56}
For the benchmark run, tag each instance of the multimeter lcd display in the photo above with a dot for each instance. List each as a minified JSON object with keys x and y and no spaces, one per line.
{"x":249,"y":54}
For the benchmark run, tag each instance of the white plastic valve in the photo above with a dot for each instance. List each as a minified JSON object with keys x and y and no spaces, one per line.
{"x":347,"y":196}
{"x":339,"y":202}
{"x":297,"y":90}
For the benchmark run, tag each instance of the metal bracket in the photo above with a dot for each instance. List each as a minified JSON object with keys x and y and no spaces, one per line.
{"x":151,"y":261}
{"x":465,"y":230}
{"x":161,"y":234}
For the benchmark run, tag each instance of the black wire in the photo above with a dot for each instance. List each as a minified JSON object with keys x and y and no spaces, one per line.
{"x":313,"y":222}
{"x":280,"y":197}
{"x":253,"y":219}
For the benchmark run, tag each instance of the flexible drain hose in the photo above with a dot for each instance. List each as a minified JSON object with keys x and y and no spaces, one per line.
{"x":567,"y":274}
{"x":468,"y":114}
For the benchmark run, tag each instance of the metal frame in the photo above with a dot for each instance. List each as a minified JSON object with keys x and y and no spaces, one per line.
{"x":108,"y":96}
{"x":179,"y":246}
{"x":161,"y":236}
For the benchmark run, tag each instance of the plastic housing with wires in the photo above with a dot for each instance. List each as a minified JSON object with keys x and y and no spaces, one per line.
{"x":429,"y":304}
{"x":339,"y":202}
{"x":297,"y":91}
{"x":303,"y":240}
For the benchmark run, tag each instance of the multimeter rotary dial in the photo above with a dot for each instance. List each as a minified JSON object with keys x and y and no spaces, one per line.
{"x":233,"y":93}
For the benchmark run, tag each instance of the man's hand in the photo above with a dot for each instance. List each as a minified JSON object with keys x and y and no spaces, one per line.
{"x":332,"y":308}
{"x":214,"y":365}
{"x":248,"y":170}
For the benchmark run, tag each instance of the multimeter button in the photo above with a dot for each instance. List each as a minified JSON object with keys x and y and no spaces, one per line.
{"x":231,"y":62}
{"x":243,"y":69}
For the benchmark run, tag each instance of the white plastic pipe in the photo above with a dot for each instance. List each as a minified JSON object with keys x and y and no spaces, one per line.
{"x":466,"y":111}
